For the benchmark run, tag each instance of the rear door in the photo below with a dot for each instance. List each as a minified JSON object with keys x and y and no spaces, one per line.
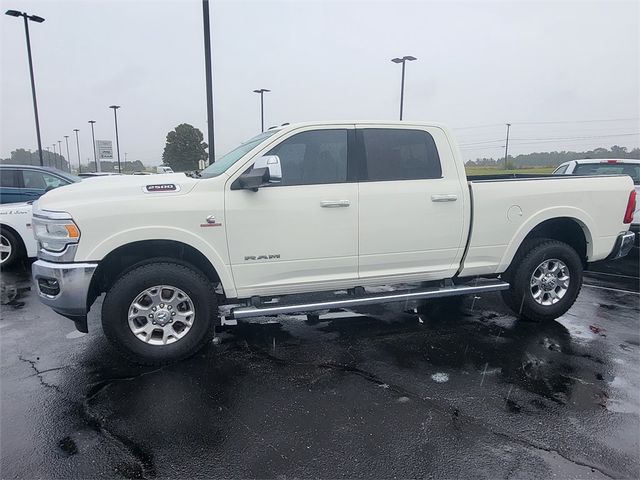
{"x":411,"y":204}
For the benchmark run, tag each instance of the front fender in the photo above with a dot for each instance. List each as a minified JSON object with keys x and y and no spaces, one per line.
{"x":122,"y":238}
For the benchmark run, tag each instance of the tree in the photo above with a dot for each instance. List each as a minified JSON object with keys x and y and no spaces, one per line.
{"x":185,"y":148}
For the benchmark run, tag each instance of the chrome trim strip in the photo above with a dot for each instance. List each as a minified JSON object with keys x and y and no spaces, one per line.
{"x":433,"y":292}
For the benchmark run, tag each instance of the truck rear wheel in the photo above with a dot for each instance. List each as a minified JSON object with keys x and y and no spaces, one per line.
{"x":159,"y":313}
{"x":545,"y":280}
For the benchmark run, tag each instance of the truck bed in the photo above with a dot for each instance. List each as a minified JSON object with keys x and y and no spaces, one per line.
{"x":505,"y":208}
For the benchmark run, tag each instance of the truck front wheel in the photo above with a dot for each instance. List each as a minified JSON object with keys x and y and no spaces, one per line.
{"x":160,"y":313}
{"x":545,"y":280}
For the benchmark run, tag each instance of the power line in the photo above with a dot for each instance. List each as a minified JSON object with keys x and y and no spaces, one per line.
{"x":551,"y":122}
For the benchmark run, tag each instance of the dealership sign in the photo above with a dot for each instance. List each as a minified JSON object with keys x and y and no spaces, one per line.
{"x":104,"y":149}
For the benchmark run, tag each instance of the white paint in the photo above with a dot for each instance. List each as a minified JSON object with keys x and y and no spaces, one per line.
{"x":440,"y":377}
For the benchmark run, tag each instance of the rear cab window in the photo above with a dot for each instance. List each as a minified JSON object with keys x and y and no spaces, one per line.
{"x":399,"y":154}
{"x":631,"y":169}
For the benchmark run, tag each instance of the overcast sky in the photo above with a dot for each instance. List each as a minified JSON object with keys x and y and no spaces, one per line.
{"x":480,"y":64}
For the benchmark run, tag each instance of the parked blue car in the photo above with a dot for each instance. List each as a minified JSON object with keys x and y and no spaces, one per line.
{"x":24,"y":183}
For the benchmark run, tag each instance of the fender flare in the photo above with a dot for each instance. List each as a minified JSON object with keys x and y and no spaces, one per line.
{"x":141,"y":234}
{"x":582,"y":218}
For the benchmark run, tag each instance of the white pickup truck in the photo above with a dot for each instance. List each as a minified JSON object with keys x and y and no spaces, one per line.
{"x":308,"y":217}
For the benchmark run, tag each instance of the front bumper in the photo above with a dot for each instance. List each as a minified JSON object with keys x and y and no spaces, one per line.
{"x":624,"y":244}
{"x":64,"y":287}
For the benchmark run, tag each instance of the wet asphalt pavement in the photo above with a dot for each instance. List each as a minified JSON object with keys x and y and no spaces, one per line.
{"x":462,"y":391}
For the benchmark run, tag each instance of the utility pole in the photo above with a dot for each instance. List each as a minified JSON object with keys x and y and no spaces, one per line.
{"x":209,"y":79}
{"x":506,"y":147}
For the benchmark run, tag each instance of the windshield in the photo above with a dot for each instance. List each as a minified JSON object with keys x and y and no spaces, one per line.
{"x":224,"y":162}
{"x":631,"y":169}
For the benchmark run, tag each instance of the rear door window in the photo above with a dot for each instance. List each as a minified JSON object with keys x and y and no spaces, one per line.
{"x":9,"y":178}
{"x":399,"y":154}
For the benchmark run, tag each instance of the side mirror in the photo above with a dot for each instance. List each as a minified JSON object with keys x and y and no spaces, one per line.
{"x":266,"y":170}
{"x":271,"y":163}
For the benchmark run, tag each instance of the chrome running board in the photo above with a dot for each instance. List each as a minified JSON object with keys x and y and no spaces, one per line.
{"x":387,"y":297}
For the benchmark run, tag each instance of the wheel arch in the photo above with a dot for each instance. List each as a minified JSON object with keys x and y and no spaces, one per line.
{"x":133,"y":254}
{"x":571,"y":230}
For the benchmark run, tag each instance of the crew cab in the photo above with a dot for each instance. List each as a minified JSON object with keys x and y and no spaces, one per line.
{"x":309,"y":217}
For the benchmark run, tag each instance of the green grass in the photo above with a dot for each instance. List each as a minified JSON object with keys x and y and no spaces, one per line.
{"x":497,"y":171}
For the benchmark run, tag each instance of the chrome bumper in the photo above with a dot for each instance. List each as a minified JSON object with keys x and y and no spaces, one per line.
{"x":623,"y":245}
{"x":64,"y":287}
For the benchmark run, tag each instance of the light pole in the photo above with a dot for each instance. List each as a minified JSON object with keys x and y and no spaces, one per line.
{"x":209,"y":79}
{"x":93,"y":138}
{"x":60,"y":152}
{"x":115,"y":117}
{"x":261,"y":92}
{"x":66,"y":139}
{"x":402,"y":60}
{"x":55,"y":158}
{"x":78,"y":147}
{"x":506,"y":147}
{"x":37,"y":19}
{"x":48,"y":157}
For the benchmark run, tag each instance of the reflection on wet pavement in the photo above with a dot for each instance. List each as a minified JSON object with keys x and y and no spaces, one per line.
{"x":455,"y":389}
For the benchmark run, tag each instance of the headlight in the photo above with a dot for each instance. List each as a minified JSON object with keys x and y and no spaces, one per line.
{"x":54,"y":230}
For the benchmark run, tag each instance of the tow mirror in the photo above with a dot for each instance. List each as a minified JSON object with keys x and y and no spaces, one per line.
{"x":266,"y":171}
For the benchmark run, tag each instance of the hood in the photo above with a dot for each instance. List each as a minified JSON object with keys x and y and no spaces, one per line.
{"x":116,"y":189}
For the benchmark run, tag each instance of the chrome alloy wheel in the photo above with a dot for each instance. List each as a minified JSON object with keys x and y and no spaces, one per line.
{"x":550,"y":282}
{"x":161,"y":315}
{"x":5,"y":249}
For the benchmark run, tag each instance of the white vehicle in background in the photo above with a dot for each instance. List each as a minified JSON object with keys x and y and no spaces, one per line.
{"x":16,"y":235}
{"x":612,"y":166}
{"x":164,"y":169}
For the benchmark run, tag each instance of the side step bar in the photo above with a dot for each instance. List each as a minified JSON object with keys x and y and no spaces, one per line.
{"x":431,"y":292}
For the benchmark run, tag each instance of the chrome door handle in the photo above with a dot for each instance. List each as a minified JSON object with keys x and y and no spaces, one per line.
{"x":444,"y":198}
{"x":335,"y":203}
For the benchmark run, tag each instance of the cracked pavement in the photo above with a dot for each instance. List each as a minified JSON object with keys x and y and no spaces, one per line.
{"x":461,"y":390}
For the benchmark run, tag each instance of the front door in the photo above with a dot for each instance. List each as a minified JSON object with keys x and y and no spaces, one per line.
{"x":302,"y":231}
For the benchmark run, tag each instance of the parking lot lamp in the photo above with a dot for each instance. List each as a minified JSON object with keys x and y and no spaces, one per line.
{"x":261,"y":91}
{"x":37,"y":19}
{"x":93,"y":139}
{"x":66,"y":139}
{"x":78,"y":146}
{"x":403,"y":60}
{"x":115,"y":118}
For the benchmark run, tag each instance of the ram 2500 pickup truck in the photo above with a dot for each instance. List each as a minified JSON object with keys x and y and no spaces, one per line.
{"x":309,"y":217}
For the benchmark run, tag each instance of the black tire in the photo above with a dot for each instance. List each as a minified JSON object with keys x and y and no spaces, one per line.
{"x":17,"y":250}
{"x":520,"y":297}
{"x":122,"y":293}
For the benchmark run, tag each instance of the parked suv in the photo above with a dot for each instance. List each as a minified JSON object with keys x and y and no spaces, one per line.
{"x":24,"y":183}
